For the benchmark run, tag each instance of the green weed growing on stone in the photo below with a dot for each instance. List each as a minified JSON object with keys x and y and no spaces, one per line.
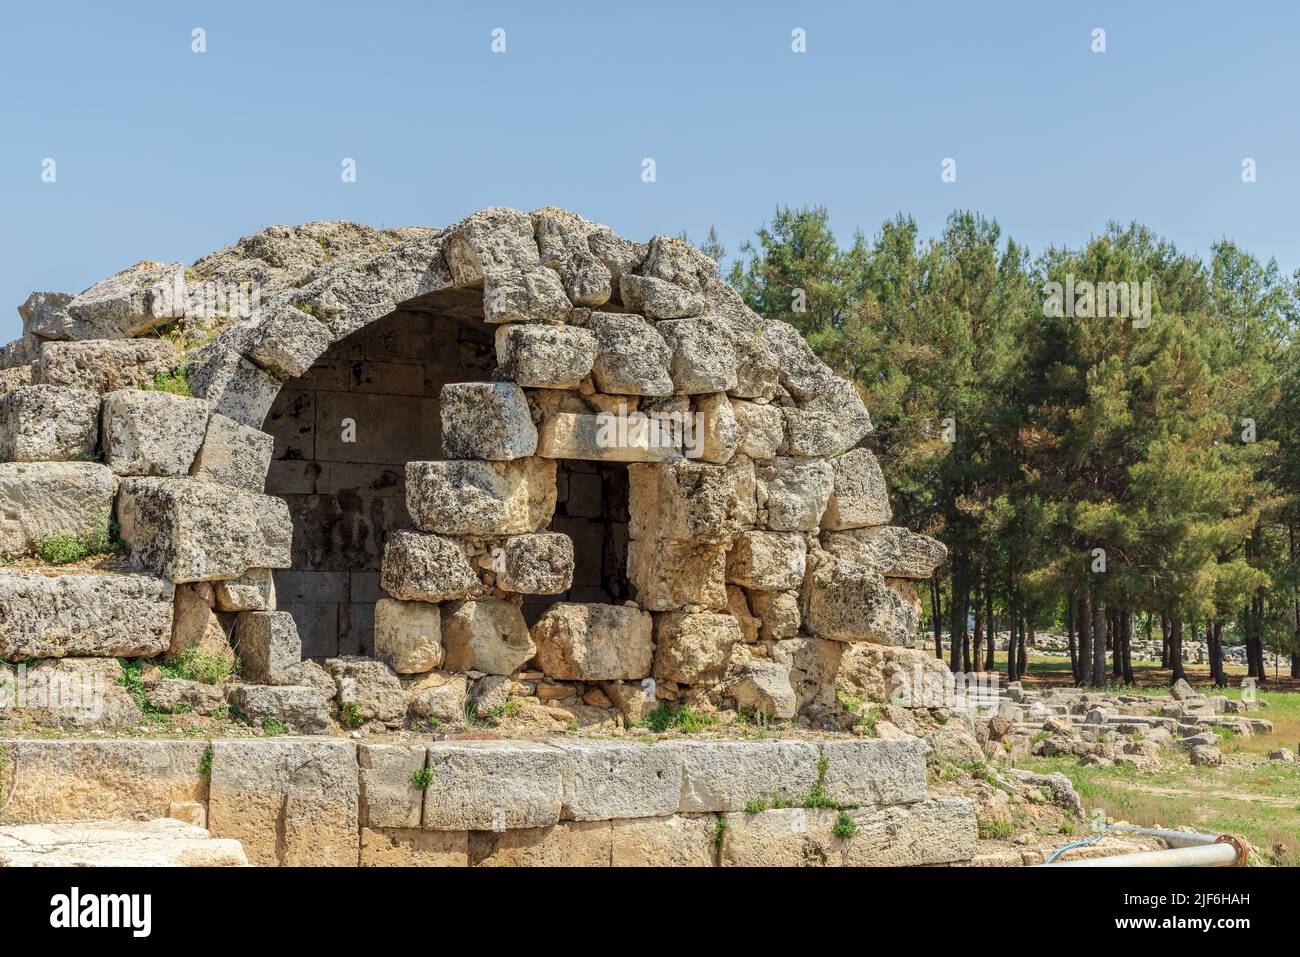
{"x":193,"y":665}
{"x":683,"y":718}
{"x":63,"y":548}
{"x":844,"y":827}
{"x":175,"y":382}
{"x":273,"y":727}
{"x":422,"y":778}
{"x":205,"y":762}
{"x":350,"y":713}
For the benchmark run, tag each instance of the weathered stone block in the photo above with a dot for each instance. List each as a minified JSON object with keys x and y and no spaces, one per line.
{"x":680,"y":840}
{"x":301,"y":708}
{"x":632,"y":358}
{"x":72,"y":780}
{"x":668,"y":575}
{"x":685,"y":500}
{"x":693,"y":648}
{"x":604,"y":780}
{"x":874,"y":771}
{"x":152,"y":433}
{"x":771,"y":561}
{"x":105,"y":365}
{"x":727,"y":775}
{"x":562,"y":245}
{"x":567,"y":844}
{"x":232,"y":385}
{"x":703,"y":359}
{"x":410,"y":847}
{"x":606,"y":437}
{"x":439,"y":696}
{"x":719,"y":431}
{"x":859,"y":497}
{"x":486,"y":420}
{"x":893,"y":551}
{"x":63,"y":693}
{"x":493,"y":785}
{"x":291,"y":802}
{"x":591,"y":642}
{"x":252,"y":591}
{"x":540,"y":564}
{"x":234,"y":454}
{"x":91,"y":615}
{"x":792,"y":493}
{"x":763,"y":688}
{"x":659,"y":299}
{"x":282,"y":339}
{"x":421,"y":567}
{"x":487,"y":635}
{"x":388,"y":798}
{"x":778,"y":611}
{"x":126,"y":305}
{"x":762,"y":429}
{"x":408,"y":635}
{"x":201,"y":531}
{"x":269,"y":648}
{"x":367,"y":689}
{"x":545,"y":357}
{"x":481,"y":498}
{"x":847,"y":601}
{"x":40,"y":423}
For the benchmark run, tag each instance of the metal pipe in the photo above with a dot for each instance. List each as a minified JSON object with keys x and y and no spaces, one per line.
{"x":1225,"y":852}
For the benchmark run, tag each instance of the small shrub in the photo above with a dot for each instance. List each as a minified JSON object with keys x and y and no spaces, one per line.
{"x":994,"y":829}
{"x":205,"y":762}
{"x":845,"y":827}
{"x":350,"y":713}
{"x":422,"y":778}
{"x":757,"y":806}
{"x":817,"y":796}
{"x":61,"y":549}
{"x":193,"y":665}
{"x":719,"y":832}
{"x":175,"y":382}
{"x":683,"y":718}
{"x":273,"y":726}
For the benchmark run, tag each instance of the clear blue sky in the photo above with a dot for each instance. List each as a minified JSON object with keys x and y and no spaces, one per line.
{"x":166,"y":154}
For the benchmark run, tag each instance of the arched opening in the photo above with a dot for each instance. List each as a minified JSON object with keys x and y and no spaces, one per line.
{"x":344,"y":431}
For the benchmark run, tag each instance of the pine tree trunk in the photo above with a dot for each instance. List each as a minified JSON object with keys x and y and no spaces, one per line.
{"x":936,"y":600}
{"x":1069,"y":634}
{"x":1012,"y":674}
{"x":1176,"y":649}
{"x":1215,"y":635}
{"x":1085,"y":638}
{"x":1099,"y":643}
{"x":957,"y":617}
{"x":992,"y":626}
{"x":1165,"y":661}
{"x":1126,"y":632}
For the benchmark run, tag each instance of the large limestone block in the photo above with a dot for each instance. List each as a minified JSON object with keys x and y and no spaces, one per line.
{"x":874,"y":771}
{"x":48,"y":423}
{"x":411,"y":847}
{"x":422,"y":567}
{"x":802,"y":374}
{"x":726,"y":775}
{"x":606,"y":437}
{"x":44,"y":315}
{"x":129,"y":304}
{"x":269,"y":648}
{"x":196,"y":625}
{"x":792,"y":493}
{"x":778,"y":611}
{"x":64,"y":693}
{"x":105,"y":365}
{"x":201,"y":531}
{"x":894,"y":552}
{"x":938,"y":831}
{"x":486,"y":420}
{"x":942,"y":830}
{"x":812,"y":433}
{"x":40,"y":499}
{"x":529,"y":295}
{"x":159,"y":843}
{"x":438,"y":696}
{"x":658,"y":298}
{"x":481,"y":498}
{"x":693,"y":648}
{"x":604,"y":780}
{"x":234,"y":454}
{"x":60,"y":616}
{"x":770,"y":561}
{"x":757,"y":372}
{"x":562,"y":245}
{"x":233,"y":386}
{"x":567,"y":844}
{"x":490,"y":241}
{"x":686,"y":500}
{"x":540,"y":564}
{"x":719,"y":431}
{"x":252,"y":591}
{"x":367,"y":688}
{"x":545,"y":357}
{"x":620,"y":256}
{"x":300,"y":708}
{"x":388,"y":796}
{"x":762,"y":429}
{"x":408,"y":635}
{"x":680,"y":840}
{"x":841,"y":397}
{"x":152,"y":433}
{"x":282,"y":339}
{"x":859,"y":498}
{"x":290,"y":801}
{"x":703,"y":359}
{"x":762,"y":688}
{"x":88,"y":780}
{"x":593,"y":642}
{"x":632,"y":358}
{"x":493,"y":785}
{"x":668,"y":575}
{"x":903,"y":676}
{"x":847,"y":601}
{"x":487,"y":635}
{"x":810,"y":662}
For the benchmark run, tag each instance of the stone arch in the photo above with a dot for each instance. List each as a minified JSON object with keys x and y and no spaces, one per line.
{"x":757,"y":549}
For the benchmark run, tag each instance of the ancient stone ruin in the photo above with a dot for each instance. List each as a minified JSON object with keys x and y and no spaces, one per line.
{"x":520,"y":456}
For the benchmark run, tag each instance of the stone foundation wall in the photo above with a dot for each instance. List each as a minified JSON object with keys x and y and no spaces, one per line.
{"x":320,"y":801}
